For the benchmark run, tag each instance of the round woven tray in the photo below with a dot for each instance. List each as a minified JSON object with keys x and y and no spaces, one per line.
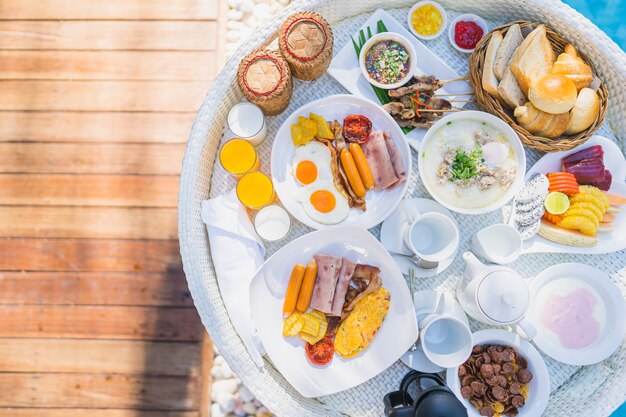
{"x":589,"y":391}
{"x":490,"y":104}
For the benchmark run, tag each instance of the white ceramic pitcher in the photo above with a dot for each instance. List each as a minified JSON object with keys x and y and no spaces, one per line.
{"x":495,"y":295}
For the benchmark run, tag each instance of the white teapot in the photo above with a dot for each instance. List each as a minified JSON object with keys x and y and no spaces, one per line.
{"x":495,"y":295}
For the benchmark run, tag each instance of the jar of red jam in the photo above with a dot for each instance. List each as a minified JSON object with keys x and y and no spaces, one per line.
{"x":466,"y":31}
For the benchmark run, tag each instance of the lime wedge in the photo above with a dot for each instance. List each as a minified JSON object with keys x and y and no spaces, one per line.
{"x":556,"y":203}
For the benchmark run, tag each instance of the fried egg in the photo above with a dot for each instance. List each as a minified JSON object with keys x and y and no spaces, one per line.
{"x":357,"y":332}
{"x":311,"y":163}
{"x":323,"y":203}
{"x":494,"y":153}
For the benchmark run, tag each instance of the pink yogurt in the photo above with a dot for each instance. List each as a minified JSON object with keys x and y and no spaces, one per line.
{"x":571,"y":318}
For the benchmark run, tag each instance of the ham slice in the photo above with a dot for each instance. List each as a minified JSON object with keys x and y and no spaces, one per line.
{"x":328,"y":268}
{"x":379,"y":160}
{"x":343,"y":281}
{"x":396,"y":158}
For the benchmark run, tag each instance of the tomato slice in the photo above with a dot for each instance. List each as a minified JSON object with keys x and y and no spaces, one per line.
{"x":322,"y":352}
{"x":356,"y":128}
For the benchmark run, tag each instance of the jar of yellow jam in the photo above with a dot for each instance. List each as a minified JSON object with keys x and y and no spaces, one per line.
{"x":427,"y":20}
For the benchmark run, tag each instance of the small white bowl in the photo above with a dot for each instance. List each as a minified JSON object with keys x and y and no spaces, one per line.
{"x":539,"y":386}
{"x":510,"y":135}
{"x":466,"y":17}
{"x":444,"y":15}
{"x":392,"y":37}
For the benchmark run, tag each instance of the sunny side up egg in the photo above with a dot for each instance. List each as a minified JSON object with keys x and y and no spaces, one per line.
{"x":323,"y":203}
{"x":311,"y":163}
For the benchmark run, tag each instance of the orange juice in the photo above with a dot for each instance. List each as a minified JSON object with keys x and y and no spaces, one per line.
{"x":238,"y":156}
{"x":255,"y":190}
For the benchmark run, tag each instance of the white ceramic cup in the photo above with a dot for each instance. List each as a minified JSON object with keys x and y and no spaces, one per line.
{"x":498,"y":243}
{"x":445,"y":339}
{"x":432,"y":236}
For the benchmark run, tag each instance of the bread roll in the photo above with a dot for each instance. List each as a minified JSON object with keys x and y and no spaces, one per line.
{"x":489,"y":80}
{"x":511,"y":41}
{"x":573,"y":67}
{"x":539,"y":122}
{"x":584,"y":113}
{"x":533,"y":58}
{"x":553,"y":93}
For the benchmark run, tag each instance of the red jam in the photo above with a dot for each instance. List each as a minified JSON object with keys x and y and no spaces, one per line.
{"x":467,"y":34}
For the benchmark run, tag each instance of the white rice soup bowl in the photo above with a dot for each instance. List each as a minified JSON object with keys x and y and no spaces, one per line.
{"x":510,"y":135}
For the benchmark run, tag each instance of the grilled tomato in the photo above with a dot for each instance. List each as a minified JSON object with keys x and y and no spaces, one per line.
{"x":322,"y":352}
{"x":356,"y":128}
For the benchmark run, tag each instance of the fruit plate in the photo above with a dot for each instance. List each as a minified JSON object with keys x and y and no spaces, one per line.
{"x":346,"y":70}
{"x":267,"y":291}
{"x":607,"y":242}
{"x":380,"y":204}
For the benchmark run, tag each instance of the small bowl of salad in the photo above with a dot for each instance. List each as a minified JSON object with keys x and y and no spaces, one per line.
{"x":388,"y":60}
{"x":465,"y":31}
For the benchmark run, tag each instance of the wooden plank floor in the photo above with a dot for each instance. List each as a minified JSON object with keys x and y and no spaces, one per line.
{"x":97,"y":101}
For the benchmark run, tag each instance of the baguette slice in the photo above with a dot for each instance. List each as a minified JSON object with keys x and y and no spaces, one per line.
{"x":533,"y":58}
{"x":510,"y":90}
{"x":511,"y":41}
{"x":489,"y":80}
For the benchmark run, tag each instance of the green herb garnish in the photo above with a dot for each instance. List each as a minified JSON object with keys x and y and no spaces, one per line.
{"x":465,"y":164}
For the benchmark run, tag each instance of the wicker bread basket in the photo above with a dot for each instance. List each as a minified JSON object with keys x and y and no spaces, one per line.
{"x":306,"y":41}
{"x":265,"y":79}
{"x":575,"y":391}
{"x":490,"y":104}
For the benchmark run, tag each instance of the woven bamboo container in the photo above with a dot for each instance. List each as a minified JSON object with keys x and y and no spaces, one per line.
{"x":495,"y":107}
{"x":265,"y":79}
{"x":306,"y":41}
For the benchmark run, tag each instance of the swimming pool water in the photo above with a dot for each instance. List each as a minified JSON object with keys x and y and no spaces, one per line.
{"x":608,"y":15}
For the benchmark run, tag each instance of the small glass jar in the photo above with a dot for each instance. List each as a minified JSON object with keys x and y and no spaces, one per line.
{"x":246,"y":121}
{"x":272,"y":223}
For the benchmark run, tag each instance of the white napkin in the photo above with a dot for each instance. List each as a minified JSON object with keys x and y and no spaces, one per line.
{"x":237,"y":253}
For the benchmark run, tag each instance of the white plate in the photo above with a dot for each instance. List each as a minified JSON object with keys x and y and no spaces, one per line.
{"x":345,"y":68}
{"x":380,"y":204}
{"x":392,"y":231}
{"x":611,"y":306}
{"x":425,"y":303}
{"x":267,"y":292}
{"x":607,"y":242}
{"x":539,"y":389}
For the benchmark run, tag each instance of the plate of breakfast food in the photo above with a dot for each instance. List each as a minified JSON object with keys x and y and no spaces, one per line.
{"x":577,"y":311}
{"x":573,"y":201}
{"x":328,"y":307}
{"x":504,"y":376}
{"x":340,"y":160}
{"x":432,"y":86}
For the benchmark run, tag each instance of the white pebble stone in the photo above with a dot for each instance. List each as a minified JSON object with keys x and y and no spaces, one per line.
{"x":245,"y":394}
{"x":245,"y":33}
{"x":233,"y":35}
{"x":234,"y":14}
{"x":234,"y":24}
{"x":226,"y":402}
{"x":262,"y":11}
{"x":234,"y":3}
{"x":284,"y":2}
{"x":218,"y":360}
{"x":226,"y":371}
{"x":246,"y":6}
{"x":216,"y":411}
{"x":249,"y":22}
{"x":216,"y":372}
{"x":249,"y":408}
{"x":224,"y":386}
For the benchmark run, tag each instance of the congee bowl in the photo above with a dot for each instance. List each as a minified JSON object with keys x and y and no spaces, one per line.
{"x":471,"y":117}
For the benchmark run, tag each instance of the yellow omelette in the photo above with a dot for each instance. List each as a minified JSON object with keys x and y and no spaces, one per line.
{"x":357,"y":331}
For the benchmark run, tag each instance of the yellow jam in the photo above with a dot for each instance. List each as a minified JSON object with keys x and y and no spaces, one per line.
{"x":238,"y":156}
{"x":427,"y":20}
{"x":255,"y":190}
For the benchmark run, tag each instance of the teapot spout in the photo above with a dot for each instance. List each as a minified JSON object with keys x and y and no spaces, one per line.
{"x":473,"y":266}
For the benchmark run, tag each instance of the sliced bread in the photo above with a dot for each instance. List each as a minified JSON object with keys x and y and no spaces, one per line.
{"x":510,"y":90}
{"x":511,"y":41}
{"x":489,"y":80}
{"x":533,"y":58}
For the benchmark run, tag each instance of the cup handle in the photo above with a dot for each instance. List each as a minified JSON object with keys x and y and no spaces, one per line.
{"x":525,"y":329}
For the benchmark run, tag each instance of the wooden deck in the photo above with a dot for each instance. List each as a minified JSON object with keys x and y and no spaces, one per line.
{"x":96,"y":102}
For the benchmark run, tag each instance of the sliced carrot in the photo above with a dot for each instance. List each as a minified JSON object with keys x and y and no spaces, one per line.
{"x":615,"y":200}
{"x":608,"y":218}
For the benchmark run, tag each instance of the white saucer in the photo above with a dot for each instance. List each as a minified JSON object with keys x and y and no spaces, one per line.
{"x":425,"y":303}
{"x":392,"y":231}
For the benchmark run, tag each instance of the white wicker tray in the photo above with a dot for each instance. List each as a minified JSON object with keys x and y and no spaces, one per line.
{"x":590,"y":391}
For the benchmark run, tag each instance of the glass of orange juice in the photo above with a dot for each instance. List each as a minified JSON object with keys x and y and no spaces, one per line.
{"x":255,"y":190}
{"x":238,"y":157}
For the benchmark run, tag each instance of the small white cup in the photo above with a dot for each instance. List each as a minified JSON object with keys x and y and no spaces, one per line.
{"x":432,"y":236}
{"x":498,"y":243}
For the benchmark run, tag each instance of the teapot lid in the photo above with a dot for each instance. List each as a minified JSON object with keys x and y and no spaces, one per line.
{"x":440,"y":403}
{"x":503,"y":296}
